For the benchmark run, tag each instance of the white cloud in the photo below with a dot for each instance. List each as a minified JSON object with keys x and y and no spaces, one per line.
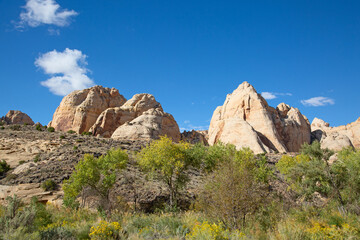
{"x":39,"y":12}
{"x":186,"y":121}
{"x":268,"y":95}
{"x":318,"y":101}
{"x":271,"y":95}
{"x":68,"y":71}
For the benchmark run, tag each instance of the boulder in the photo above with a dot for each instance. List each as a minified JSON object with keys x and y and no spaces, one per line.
{"x":246,"y":120}
{"x":80,"y":109}
{"x":17,"y":117}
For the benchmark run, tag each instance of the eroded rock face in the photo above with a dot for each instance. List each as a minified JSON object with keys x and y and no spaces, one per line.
{"x":152,"y":124}
{"x":17,"y":117}
{"x":80,"y":109}
{"x":246,"y":120}
{"x":110,"y":119}
{"x":194,"y":137}
{"x":336,"y":138}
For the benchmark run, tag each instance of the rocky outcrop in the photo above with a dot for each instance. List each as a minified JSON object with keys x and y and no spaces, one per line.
{"x":17,"y":117}
{"x":80,"y":109}
{"x":152,"y":124}
{"x":194,"y":137}
{"x":336,"y":138}
{"x":246,"y":120}
{"x":112,"y":118}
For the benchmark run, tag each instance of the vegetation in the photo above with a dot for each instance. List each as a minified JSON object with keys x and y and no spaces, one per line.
{"x":237,"y":200}
{"x":71,"y":132}
{"x":4,"y":167}
{"x":95,"y":174}
{"x":62,"y":137}
{"x":168,"y":162}
{"x":86,"y":133}
{"x":38,"y":127}
{"x":15,"y":127}
{"x":51,"y":129}
{"x":49,"y":185}
{"x":37,"y":158}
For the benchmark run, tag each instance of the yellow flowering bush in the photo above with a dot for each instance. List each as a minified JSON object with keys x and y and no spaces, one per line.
{"x":207,"y":231}
{"x":325,"y":231}
{"x":105,"y":230}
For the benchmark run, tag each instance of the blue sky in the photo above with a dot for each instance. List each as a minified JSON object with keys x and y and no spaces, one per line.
{"x":188,"y":54}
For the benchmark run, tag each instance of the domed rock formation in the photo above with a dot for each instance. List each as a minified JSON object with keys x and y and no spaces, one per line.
{"x":246,"y":120}
{"x":335,"y":138}
{"x":17,"y":117}
{"x":152,"y":124}
{"x":110,"y":119}
{"x":80,"y":109}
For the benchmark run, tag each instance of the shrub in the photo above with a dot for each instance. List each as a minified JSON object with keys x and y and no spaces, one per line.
{"x":98,"y":174}
{"x":207,"y":231}
{"x":75,"y":147}
{"x":105,"y":230}
{"x":236,"y":189}
{"x":15,"y":127}
{"x":4,"y":167}
{"x":86,"y":133}
{"x":21,"y":162}
{"x":37,"y":158}
{"x":38,"y":127}
{"x":51,"y":129}
{"x":62,"y":137}
{"x":168,"y":162}
{"x":49,"y":185}
{"x":71,"y":131}
{"x":2,"y":127}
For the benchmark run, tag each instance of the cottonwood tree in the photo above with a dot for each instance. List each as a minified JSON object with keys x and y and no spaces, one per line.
{"x":237,"y":188}
{"x":96,"y":174}
{"x":168,"y":161}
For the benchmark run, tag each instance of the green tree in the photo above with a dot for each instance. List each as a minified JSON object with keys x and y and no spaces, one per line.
{"x":168,"y":162}
{"x":236,"y":189}
{"x":97,"y":174}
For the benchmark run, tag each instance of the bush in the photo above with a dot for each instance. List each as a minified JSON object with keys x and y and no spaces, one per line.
{"x":2,"y":127}
{"x":15,"y":127}
{"x":21,"y":162}
{"x":38,"y":127}
{"x":98,"y":174}
{"x":168,"y":162}
{"x":4,"y":167}
{"x":49,"y":185}
{"x":75,"y":147}
{"x":37,"y":158}
{"x":71,"y":132}
{"x":237,"y":189}
{"x":51,"y":129}
{"x":62,"y":137}
{"x":86,"y":133}
{"x":105,"y":230}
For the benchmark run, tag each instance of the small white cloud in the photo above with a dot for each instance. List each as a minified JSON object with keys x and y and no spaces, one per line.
{"x":186,"y":121}
{"x":268,"y":95}
{"x":38,"y":12}
{"x":318,"y":101}
{"x":68,"y":71}
{"x":271,"y":95}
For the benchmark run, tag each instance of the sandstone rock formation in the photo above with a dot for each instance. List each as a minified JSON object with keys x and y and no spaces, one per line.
{"x":246,"y":120}
{"x":335,"y":138}
{"x":17,"y":117}
{"x":80,"y":109}
{"x":194,"y":137}
{"x":152,"y":124}
{"x":110,"y":119}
